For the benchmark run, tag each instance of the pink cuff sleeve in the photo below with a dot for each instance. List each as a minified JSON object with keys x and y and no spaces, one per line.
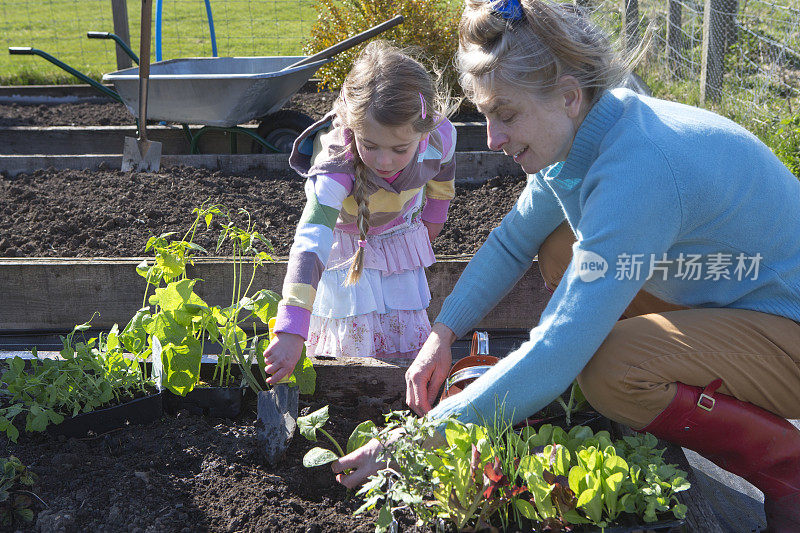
{"x":292,"y":319}
{"x":435,"y":210}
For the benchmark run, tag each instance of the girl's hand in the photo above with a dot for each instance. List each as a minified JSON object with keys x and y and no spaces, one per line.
{"x":426,"y":374}
{"x":434,"y":229}
{"x":282,"y":355}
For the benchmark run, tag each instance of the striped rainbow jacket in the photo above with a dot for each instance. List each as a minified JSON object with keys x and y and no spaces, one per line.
{"x":321,"y":155}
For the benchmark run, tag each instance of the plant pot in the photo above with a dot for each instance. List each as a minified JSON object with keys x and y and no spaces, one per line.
{"x":139,"y":411}
{"x":216,"y":402}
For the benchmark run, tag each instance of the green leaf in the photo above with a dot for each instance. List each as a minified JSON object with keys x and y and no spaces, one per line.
{"x":265,"y":305}
{"x":680,"y":484}
{"x":134,"y":336}
{"x":384,"y":520}
{"x":181,"y":365}
{"x":318,"y":457}
{"x":679,"y":511}
{"x":591,"y":499}
{"x":175,"y":295}
{"x":172,"y":264}
{"x":304,"y":375}
{"x":360,"y":435}
{"x":526,"y":509}
{"x":309,"y":424}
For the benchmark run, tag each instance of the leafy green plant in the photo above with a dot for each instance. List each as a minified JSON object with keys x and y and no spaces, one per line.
{"x":15,"y":498}
{"x":429,"y":25}
{"x":91,"y":374}
{"x":490,"y":475}
{"x":174,"y":323}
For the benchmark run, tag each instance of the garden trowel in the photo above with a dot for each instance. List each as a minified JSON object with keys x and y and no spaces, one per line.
{"x":142,"y":154}
{"x":277,"y":420}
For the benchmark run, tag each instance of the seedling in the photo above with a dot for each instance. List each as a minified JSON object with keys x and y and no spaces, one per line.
{"x":15,"y":498}
{"x":310,"y":424}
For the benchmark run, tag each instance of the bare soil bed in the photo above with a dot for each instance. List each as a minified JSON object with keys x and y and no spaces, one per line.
{"x":187,"y":473}
{"x":109,"y":213}
{"x":313,"y":104}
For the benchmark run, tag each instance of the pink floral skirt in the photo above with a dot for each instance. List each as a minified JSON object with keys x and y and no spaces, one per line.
{"x":384,"y":315}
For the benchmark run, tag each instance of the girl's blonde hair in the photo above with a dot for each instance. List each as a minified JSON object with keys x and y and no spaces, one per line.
{"x":385,"y":84}
{"x":550,"y":40}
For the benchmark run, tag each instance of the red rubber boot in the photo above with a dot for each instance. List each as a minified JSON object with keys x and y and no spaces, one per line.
{"x":746,"y":440}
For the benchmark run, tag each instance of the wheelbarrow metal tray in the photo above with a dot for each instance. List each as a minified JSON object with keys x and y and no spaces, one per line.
{"x":214,"y":91}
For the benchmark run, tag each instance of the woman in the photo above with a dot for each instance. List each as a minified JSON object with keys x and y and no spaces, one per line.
{"x":673,"y":217}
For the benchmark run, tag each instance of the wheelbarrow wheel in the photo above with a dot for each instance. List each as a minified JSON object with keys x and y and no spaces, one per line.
{"x":280,"y":129}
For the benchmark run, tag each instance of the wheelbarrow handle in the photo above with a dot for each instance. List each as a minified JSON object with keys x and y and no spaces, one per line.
{"x":349,"y":42}
{"x":122,"y":44}
{"x":21,"y":51}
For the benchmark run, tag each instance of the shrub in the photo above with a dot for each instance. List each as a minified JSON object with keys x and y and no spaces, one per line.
{"x":430,"y":25}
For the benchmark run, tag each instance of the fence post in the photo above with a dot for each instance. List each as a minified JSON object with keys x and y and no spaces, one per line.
{"x":717,"y":27}
{"x":675,"y":41}
{"x":630,"y":21}
{"x":119,"y":10}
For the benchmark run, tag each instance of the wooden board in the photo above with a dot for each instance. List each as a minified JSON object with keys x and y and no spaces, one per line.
{"x":52,"y":140}
{"x":55,"y":294}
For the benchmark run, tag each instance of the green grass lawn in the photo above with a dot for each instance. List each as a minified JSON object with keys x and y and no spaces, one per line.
{"x":58,"y":27}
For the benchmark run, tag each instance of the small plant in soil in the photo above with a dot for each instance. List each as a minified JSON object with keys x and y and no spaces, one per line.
{"x":492,"y":476}
{"x":312,"y":423}
{"x":575,"y":403}
{"x":15,"y":497}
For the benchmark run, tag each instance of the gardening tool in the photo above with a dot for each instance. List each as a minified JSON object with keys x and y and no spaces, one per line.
{"x":277,"y":420}
{"x":142,"y":154}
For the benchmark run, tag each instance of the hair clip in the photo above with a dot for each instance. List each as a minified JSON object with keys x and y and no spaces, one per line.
{"x":422,"y":103}
{"x":509,"y":9}
{"x":362,"y":243}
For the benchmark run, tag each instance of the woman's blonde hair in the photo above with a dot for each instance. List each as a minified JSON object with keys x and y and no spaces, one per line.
{"x":391,"y":87}
{"x":549,"y":41}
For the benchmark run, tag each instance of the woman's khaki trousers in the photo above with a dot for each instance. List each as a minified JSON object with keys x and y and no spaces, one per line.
{"x":631,"y":378}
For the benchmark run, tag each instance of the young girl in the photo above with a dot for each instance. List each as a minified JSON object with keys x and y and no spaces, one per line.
{"x":355,"y":284}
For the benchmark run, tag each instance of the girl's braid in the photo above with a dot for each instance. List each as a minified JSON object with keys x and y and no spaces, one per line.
{"x":362,"y":221}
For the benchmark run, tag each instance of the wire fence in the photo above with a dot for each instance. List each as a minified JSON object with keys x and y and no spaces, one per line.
{"x":58,"y":27}
{"x":755,"y":76}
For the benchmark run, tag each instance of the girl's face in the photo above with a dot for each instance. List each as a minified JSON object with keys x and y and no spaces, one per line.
{"x":536,"y":131}
{"x":386,"y":150}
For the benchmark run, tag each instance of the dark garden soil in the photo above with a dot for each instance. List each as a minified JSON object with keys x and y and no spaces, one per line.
{"x":313,"y":104}
{"x":187,"y":473}
{"x":109,"y":213}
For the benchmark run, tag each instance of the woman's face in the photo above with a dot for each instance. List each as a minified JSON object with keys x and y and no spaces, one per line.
{"x":386,"y":149}
{"x":537,"y":131}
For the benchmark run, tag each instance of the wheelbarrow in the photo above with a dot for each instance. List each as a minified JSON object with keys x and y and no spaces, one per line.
{"x":219,"y":93}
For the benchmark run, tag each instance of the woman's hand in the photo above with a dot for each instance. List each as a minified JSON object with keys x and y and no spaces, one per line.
{"x":434,"y":229}
{"x":281,"y":356}
{"x":358,"y":465}
{"x":354,"y":468}
{"x":426,"y":374}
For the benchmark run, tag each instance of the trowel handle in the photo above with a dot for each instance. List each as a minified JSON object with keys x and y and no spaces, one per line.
{"x":349,"y":42}
{"x":144,"y":65}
